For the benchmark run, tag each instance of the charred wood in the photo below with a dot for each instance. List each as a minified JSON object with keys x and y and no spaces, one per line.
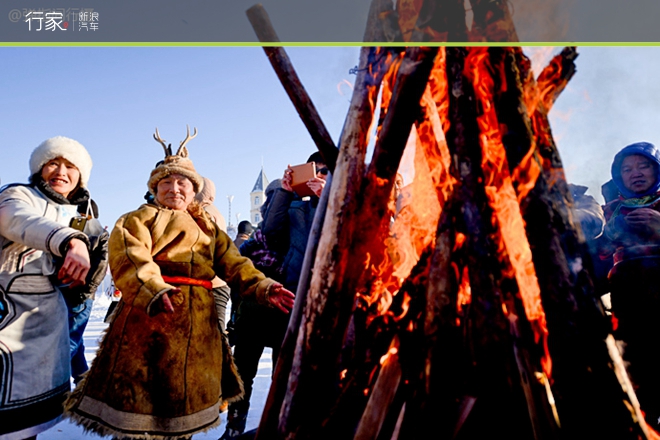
{"x":328,"y":314}
{"x":585,"y":383}
{"x":382,"y":396}
{"x":554,"y":78}
{"x":338,"y":226}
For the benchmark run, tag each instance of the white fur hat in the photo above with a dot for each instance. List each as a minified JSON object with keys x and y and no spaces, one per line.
{"x":60,"y":146}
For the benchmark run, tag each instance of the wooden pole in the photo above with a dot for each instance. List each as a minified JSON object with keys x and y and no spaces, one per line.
{"x":314,"y":377}
{"x":585,"y":381}
{"x":373,"y":63}
{"x":342,"y":207}
{"x":293,"y":86}
{"x":342,"y":199}
{"x":381,"y":398}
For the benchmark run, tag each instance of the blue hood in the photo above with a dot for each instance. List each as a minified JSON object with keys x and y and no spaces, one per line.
{"x":645,"y":149}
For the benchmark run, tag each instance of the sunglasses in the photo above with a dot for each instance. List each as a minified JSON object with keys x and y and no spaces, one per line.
{"x":323,"y":170}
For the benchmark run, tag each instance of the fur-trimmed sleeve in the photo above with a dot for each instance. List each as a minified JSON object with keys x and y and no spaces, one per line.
{"x":239,"y":272}
{"x":133,"y":269}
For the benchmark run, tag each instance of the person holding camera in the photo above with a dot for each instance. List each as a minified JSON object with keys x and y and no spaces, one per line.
{"x":285,"y":227}
{"x":288,"y":219}
{"x":633,"y":233}
{"x":43,"y":251}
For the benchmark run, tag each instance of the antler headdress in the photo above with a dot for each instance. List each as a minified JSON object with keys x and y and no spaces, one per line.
{"x":178,"y":163}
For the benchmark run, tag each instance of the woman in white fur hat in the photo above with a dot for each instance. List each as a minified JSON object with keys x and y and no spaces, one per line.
{"x":35,"y":229}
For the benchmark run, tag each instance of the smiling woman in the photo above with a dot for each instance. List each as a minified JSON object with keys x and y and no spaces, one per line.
{"x":62,"y":176}
{"x":34,"y":335}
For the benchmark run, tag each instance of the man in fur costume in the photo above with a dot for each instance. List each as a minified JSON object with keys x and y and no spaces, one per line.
{"x":162,"y":368}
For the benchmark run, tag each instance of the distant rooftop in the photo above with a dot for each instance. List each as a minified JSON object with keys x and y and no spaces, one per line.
{"x":262,"y":182}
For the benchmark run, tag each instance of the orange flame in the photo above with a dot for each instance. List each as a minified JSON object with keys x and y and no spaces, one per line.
{"x":417,"y":207}
{"x":501,"y":194}
{"x":464,"y":290}
{"x":392,"y":351}
{"x":459,"y":240}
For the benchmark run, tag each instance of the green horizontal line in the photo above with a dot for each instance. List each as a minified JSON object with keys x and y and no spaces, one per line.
{"x":314,"y":44}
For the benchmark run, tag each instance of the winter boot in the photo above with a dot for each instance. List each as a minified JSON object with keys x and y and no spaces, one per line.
{"x":236,"y":421}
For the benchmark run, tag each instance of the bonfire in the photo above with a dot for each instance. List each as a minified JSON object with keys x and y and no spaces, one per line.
{"x":463,"y":306}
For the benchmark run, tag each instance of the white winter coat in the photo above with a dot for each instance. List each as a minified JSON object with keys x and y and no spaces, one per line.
{"x":34,"y":338}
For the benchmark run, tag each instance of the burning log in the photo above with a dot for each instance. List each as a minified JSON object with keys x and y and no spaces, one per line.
{"x":382,"y":396}
{"x":554,"y":78}
{"x":485,"y":319}
{"x":586,"y":381}
{"x":342,"y":205}
{"x":293,"y":86}
{"x":329,"y":305}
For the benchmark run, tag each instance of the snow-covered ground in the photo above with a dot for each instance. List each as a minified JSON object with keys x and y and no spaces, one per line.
{"x":68,"y":431}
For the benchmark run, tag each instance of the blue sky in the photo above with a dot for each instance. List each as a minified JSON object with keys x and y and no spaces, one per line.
{"x":112,"y":98}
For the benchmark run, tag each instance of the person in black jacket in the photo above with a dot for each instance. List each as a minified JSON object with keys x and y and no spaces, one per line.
{"x":278,"y":249}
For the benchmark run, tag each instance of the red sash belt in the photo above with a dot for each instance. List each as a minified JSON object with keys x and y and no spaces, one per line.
{"x":188,"y":281}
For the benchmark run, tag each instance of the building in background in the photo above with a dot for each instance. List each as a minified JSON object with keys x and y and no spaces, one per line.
{"x":257,"y":196}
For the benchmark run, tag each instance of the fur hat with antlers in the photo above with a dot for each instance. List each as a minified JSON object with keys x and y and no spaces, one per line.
{"x":178,"y":163}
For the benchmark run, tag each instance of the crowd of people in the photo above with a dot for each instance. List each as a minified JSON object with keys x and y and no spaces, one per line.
{"x":169,"y":364}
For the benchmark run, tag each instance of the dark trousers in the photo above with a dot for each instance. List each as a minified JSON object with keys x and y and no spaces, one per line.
{"x":78,"y":319}
{"x":257,"y":327}
{"x":636,"y":304}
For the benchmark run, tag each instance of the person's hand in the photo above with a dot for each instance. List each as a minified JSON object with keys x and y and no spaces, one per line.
{"x":286,"y":179}
{"x":164,"y":303}
{"x":76,"y":264}
{"x":645,"y":217}
{"x":281,"y":298}
{"x":316,"y":185}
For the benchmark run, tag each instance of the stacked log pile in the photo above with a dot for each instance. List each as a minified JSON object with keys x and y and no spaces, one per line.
{"x":471,"y":311}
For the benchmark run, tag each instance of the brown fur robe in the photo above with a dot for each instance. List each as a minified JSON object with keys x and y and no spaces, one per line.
{"x":164,"y":375}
